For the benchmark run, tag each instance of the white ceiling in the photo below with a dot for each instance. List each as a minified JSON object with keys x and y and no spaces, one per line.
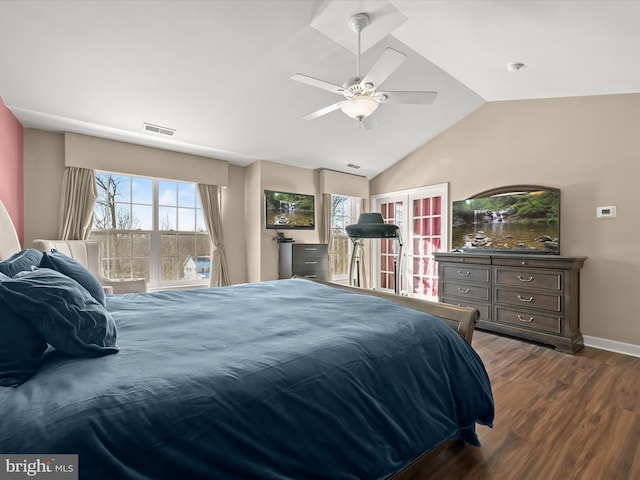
{"x":218,"y":71}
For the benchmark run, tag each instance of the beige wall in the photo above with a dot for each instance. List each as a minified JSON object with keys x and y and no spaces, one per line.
{"x":589,"y":147}
{"x":276,"y":176}
{"x":43,"y":169}
{"x":85,"y":151}
{"x":252,"y":216}
{"x":233,"y":224}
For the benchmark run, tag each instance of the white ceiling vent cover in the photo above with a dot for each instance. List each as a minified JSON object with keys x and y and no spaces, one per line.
{"x":169,"y":132}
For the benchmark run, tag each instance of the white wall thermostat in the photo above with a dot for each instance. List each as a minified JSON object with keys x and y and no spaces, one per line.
{"x":605,"y":212}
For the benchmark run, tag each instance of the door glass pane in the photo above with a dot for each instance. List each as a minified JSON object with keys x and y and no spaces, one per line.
{"x":426,"y":238}
{"x":392,"y":212}
{"x":436,"y":203}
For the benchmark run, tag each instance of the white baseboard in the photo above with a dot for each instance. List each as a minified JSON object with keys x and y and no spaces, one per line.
{"x":612,"y":345}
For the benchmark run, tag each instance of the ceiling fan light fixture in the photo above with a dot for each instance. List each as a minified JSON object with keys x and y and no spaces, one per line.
{"x":359,"y":106}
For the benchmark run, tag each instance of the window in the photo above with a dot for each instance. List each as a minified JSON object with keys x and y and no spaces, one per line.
{"x":344,"y":211}
{"x":151,"y":229}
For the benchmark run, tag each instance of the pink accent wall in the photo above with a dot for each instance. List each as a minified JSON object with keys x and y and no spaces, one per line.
{"x":11,"y":171}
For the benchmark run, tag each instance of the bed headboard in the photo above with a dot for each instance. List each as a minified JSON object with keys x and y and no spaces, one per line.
{"x":9,"y":243}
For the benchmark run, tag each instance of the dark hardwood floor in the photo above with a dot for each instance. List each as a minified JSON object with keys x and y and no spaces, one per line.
{"x":558,"y":416}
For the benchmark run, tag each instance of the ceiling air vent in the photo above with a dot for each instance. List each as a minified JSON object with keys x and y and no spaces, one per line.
{"x":169,"y":132}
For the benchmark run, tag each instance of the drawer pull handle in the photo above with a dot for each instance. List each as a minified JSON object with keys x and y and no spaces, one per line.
{"x":309,"y":262}
{"x":310,"y":276}
{"x":464,"y":274}
{"x":525,"y":279}
{"x":308,"y":249}
{"x":529,"y":300}
{"x":465,"y":290}
{"x":524,"y":319}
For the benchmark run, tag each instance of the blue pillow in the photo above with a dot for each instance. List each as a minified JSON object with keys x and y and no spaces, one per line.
{"x":24,"y":260}
{"x":62,"y":312}
{"x":72,"y":268}
{"x":21,"y":349}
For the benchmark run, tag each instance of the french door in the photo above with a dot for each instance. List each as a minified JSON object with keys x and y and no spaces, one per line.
{"x":422,"y":216}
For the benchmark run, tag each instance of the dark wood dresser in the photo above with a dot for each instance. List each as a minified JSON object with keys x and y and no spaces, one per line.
{"x":534,"y":297}
{"x":304,"y":259}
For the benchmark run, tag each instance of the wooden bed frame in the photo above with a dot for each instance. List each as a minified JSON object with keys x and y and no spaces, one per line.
{"x":462,"y":319}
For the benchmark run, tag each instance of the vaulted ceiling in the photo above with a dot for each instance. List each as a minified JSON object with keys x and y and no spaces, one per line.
{"x":218,"y":72}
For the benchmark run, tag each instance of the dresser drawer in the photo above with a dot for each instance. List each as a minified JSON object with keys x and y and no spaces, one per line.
{"x":476,"y":292}
{"x":550,"y":262}
{"x":466,"y":259}
{"x":310,"y":264}
{"x":307,"y":251}
{"x":304,"y":259}
{"x":483,"y":308}
{"x":533,"y":321}
{"x":528,"y":278}
{"x":466,"y":273}
{"x":529,"y":299}
{"x":318,"y":274}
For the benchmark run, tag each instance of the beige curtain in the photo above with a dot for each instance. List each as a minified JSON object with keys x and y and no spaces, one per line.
{"x":78,"y":199}
{"x":210,"y":196}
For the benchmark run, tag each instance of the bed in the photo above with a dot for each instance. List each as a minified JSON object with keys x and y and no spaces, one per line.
{"x":285,"y":379}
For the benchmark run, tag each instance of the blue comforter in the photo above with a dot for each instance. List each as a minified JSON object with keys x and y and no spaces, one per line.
{"x":276,"y":380}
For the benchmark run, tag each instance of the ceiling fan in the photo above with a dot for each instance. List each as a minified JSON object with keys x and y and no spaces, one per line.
{"x":361,"y":95}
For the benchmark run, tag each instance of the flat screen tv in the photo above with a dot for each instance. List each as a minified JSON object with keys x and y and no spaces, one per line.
{"x":289,"y":211}
{"x":517,"y":219}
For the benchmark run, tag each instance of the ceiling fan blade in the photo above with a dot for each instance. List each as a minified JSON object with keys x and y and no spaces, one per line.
{"x":322,"y":111}
{"x":417,"y":98}
{"x":314,"y":82}
{"x":385,"y":66}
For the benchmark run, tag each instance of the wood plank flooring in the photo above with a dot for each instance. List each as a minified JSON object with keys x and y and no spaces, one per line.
{"x":558,"y":416}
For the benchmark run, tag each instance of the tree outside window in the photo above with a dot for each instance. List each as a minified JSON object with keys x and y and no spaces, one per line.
{"x":344,"y":211}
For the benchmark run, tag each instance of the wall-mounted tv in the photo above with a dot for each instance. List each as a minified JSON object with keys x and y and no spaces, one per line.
{"x":519,"y":219}
{"x":289,"y":211}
